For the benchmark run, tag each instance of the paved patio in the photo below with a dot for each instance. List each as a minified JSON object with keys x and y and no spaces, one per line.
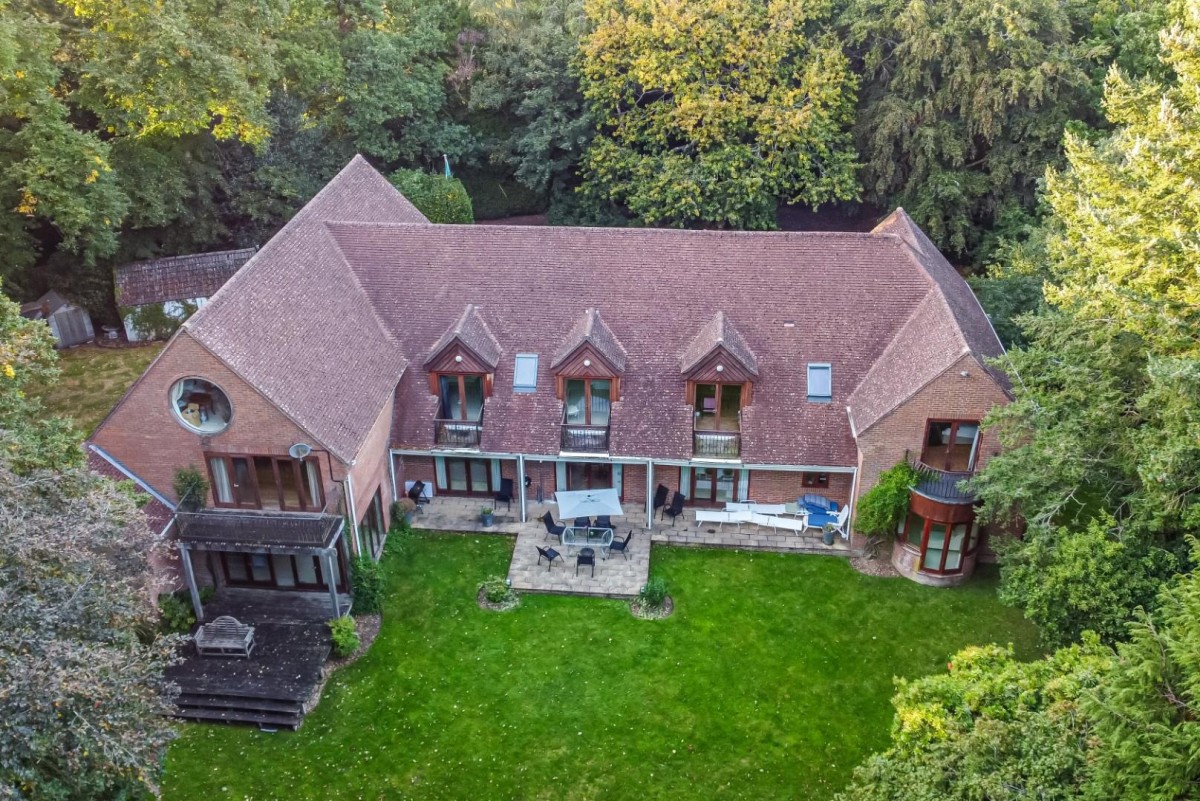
{"x":615,"y":577}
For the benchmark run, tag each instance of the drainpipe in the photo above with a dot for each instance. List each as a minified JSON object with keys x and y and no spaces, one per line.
{"x":392,"y":472}
{"x":649,"y":494}
{"x":850,"y":503}
{"x":353,"y":514}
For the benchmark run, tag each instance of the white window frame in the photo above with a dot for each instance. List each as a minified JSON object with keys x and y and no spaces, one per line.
{"x":819,"y":398}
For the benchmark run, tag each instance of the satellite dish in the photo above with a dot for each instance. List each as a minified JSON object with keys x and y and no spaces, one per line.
{"x":299,"y":450}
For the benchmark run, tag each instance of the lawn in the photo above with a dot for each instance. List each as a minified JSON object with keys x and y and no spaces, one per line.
{"x":772,"y":680}
{"x":93,"y":379}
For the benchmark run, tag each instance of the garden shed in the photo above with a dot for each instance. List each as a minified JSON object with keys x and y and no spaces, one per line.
{"x":156,"y":296}
{"x":70,"y":324}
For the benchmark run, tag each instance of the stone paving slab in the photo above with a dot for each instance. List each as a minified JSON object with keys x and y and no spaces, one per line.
{"x":615,"y":577}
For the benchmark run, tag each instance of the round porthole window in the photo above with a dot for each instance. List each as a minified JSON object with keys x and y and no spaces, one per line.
{"x":200,"y":405}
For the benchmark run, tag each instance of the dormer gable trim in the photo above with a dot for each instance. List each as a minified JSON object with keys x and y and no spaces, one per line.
{"x":470,"y":337}
{"x":719,"y":339}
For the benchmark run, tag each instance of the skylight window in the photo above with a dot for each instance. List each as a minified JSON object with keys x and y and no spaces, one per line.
{"x":525,"y":373}
{"x":820,"y":383}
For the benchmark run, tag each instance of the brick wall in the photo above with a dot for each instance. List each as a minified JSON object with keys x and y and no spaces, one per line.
{"x":414,"y":468}
{"x":780,"y":486}
{"x":948,"y":397}
{"x":370,"y":471}
{"x":144,"y":434}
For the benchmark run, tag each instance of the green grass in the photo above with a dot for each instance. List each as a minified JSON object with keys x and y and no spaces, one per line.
{"x":93,"y":379}
{"x":772,"y":680}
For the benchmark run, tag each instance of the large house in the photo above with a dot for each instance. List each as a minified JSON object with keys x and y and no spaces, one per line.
{"x":364,"y":349}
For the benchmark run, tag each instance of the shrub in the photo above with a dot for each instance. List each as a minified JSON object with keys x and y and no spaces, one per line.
{"x":882,"y":508}
{"x":367,"y":578}
{"x":344,"y":632}
{"x":175,"y":615}
{"x":441,"y":199}
{"x":497,"y":591}
{"x":654,"y":593}
{"x":191,"y":488}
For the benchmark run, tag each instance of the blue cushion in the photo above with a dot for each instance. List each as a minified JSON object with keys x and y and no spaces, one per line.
{"x":818,"y":503}
{"x":819,"y":519}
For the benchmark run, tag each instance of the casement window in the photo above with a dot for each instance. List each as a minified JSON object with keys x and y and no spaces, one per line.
{"x":718,"y":407}
{"x":588,"y":401}
{"x":815,"y":480}
{"x":266,"y":482}
{"x":371,"y":528}
{"x":951,"y":445}
{"x":820,"y":383}
{"x":461,"y":396}
{"x":466,"y":477}
{"x":282,"y":571}
{"x":940,"y":546}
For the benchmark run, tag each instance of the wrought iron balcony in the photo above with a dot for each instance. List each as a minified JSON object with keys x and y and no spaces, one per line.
{"x":717,"y":444}
{"x":463,"y":434}
{"x":578,"y":438}
{"x":943,"y":485}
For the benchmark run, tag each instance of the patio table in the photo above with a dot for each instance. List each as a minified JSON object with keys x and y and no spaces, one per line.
{"x":581,"y":537}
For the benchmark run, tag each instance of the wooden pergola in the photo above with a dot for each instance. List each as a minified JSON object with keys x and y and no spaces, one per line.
{"x":293,"y":534}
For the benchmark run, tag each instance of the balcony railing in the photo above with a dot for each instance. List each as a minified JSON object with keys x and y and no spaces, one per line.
{"x":578,"y":438}
{"x":458,"y":433}
{"x":942,"y":485}
{"x":717,"y":444}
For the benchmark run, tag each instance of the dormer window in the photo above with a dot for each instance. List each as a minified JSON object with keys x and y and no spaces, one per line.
{"x":718,"y":406}
{"x":588,"y":401}
{"x":720,"y":370}
{"x":461,"y":397}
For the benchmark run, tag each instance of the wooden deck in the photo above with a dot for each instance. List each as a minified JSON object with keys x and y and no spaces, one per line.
{"x":273,"y":687}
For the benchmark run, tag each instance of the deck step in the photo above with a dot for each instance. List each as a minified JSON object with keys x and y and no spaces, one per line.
{"x":250,"y":716}
{"x":281,"y":705}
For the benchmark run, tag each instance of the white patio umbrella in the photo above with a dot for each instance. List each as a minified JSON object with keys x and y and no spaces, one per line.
{"x":588,"y":503}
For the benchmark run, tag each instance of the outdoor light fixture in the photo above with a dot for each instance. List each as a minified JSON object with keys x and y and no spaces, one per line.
{"x":720,"y":368}
{"x":587,"y":362}
{"x":458,"y":359}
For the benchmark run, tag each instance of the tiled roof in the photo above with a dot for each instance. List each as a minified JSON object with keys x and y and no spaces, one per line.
{"x":592,"y":330}
{"x":797,"y":297}
{"x":198,"y":275}
{"x":44,"y":306}
{"x":471,"y":331}
{"x":948,"y":324}
{"x":295,"y":323}
{"x":719,"y":332}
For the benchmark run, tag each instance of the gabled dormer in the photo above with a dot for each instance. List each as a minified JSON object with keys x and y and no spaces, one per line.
{"x":461,"y":365}
{"x":587,"y":372}
{"x":720,"y":370}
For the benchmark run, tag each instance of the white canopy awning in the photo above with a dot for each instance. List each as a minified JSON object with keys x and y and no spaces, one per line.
{"x":588,"y":503}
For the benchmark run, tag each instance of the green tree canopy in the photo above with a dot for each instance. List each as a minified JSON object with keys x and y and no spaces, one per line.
{"x":711,"y":111}
{"x":963,"y":105}
{"x":1106,"y":419}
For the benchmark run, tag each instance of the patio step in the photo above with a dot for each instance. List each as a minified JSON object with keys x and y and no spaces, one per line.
{"x":274,"y":712}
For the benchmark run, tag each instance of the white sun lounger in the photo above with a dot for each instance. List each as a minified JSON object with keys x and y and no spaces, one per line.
{"x":722,"y":517}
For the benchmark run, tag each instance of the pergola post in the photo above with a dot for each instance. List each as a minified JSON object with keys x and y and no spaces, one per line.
{"x":190,"y":575}
{"x":521,"y":485}
{"x":331,"y":581}
{"x":649,"y":494}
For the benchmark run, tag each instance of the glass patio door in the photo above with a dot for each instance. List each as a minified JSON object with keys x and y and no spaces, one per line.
{"x":586,"y":476}
{"x":462,"y":397}
{"x":714,"y":485}
{"x":718,"y":407}
{"x":589,"y":401}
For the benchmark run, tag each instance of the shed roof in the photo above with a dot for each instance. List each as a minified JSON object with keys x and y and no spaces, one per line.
{"x":196,"y":275}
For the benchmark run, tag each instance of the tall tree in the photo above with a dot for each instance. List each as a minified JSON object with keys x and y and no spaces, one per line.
{"x":82,"y":697}
{"x":711,"y":112}
{"x":527,"y":77}
{"x":1106,"y":419}
{"x":963,"y":105}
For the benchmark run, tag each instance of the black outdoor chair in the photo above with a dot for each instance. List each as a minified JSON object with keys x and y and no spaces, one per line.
{"x":603,"y":521}
{"x":583,"y":522}
{"x":417,"y":493}
{"x":552,"y":528}
{"x":660,"y":500}
{"x":505,"y":495}
{"x":621,"y":546}
{"x":676,"y":508}
{"x":586,"y":557}
{"x":549,"y":554}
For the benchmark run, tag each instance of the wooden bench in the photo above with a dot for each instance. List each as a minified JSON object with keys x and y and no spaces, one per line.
{"x":225,"y":636}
